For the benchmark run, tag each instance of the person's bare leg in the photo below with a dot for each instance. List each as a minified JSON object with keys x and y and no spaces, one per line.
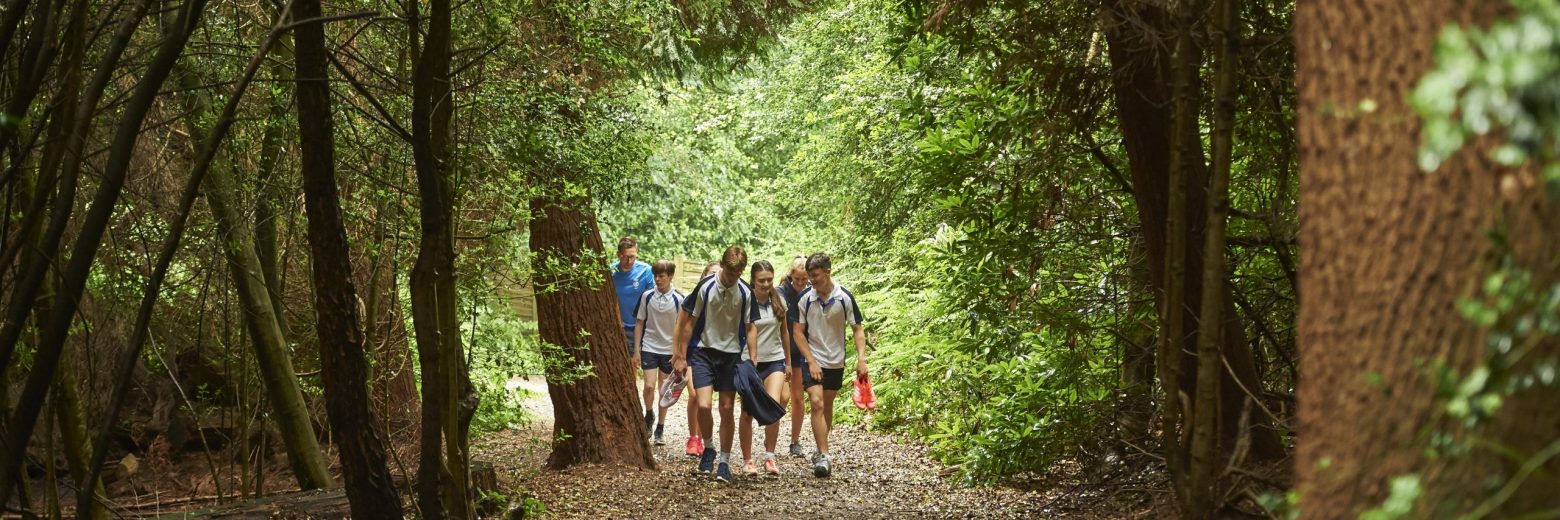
{"x":727,"y":399}
{"x":775,"y":386}
{"x":660,"y":410}
{"x":798,"y":403}
{"x":693,"y":415}
{"x":820,"y":422}
{"x":828,"y":407}
{"x":745,"y":433}
{"x":706,"y":421}
{"x":649,"y":393}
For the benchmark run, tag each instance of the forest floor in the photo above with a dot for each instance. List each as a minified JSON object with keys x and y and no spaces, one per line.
{"x":875,"y":475}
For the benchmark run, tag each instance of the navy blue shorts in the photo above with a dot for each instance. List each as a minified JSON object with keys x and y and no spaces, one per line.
{"x":832,"y":378}
{"x":629,"y":333}
{"x":715,"y":368}
{"x":649,"y":360}
{"x":769,"y":367}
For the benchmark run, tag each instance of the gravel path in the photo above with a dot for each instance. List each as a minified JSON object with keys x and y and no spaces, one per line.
{"x":874,"y":476}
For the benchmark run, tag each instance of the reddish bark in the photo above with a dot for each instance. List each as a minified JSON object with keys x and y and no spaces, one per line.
{"x":599,"y":414}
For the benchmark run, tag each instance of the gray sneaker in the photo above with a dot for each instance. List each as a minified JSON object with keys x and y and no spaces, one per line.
{"x":796,"y":450}
{"x":821,"y":466}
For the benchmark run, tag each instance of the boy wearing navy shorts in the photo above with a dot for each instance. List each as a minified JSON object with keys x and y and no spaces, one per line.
{"x":655,"y":317}
{"x":717,"y":314}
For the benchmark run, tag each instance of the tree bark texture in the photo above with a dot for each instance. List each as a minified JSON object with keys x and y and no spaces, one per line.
{"x":599,"y":414}
{"x":344,"y":370}
{"x":1206,"y":467}
{"x":1389,"y":250}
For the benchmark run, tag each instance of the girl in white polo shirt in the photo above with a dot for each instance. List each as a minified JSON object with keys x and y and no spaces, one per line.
{"x":766,"y":339}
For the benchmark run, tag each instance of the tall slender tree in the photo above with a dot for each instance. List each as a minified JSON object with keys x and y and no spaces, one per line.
{"x":448,"y":398}
{"x":344,"y":370}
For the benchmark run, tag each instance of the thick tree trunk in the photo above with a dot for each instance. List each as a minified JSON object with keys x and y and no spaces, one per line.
{"x":599,"y":415}
{"x":1389,"y":250}
{"x":344,"y":370}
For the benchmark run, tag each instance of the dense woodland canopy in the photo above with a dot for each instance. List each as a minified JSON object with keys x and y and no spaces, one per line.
{"x":1273,"y":259}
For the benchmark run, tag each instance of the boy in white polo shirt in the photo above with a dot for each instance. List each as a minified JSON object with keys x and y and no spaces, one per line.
{"x":716,"y":313}
{"x":823,"y":314}
{"x":655,"y":316}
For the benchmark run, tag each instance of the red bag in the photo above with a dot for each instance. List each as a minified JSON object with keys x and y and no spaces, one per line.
{"x":862,"y":394}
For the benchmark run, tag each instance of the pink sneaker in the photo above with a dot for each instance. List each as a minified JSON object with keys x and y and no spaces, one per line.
{"x":695,"y":446}
{"x":749,"y":469}
{"x":770,"y":468}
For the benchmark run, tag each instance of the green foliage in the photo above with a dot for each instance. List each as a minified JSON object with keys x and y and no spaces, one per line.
{"x":1505,"y":77}
{"x":1402,"y":493}
{"x":503,"y":347}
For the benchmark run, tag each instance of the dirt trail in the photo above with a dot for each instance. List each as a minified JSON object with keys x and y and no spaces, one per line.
{"x":875,"y":476}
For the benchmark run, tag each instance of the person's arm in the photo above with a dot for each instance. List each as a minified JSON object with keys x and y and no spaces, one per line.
{"x":861,"y":349}
{"x":680,"y":341}
{"x":785,"y":336}
{"x":752,"y":344}
{"x":799,"y":331}
{"x":639,"y":340}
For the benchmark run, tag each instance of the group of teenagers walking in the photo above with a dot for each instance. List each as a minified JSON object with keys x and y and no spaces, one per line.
{"x":792,"y":331}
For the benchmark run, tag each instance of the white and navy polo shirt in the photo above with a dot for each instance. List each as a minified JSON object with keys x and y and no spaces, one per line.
{"x":720,"y":314}
{"x":825,"y":320}
{"x":657,"y":311}
{"x":770,"y":347}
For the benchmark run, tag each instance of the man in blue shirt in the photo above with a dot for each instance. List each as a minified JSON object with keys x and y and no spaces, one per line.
{"x":630,"y":278}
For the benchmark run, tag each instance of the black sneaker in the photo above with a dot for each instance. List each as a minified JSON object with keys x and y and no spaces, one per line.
{"x":707,"y":461}
{"x":723,"y":473}
{"x":659,"y":429}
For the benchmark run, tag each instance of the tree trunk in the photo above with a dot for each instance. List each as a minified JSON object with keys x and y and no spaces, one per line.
{"x":598,"y":416}
{"x":271,"y":149}
{"x":344,"y":371}
{"x":70,"y":413}
{"x":1141,"y":80}
{"x":1389,"y":251}
{"x":259,"y":314}
{"x":1206,"y":465}
{"x":448,"y":398}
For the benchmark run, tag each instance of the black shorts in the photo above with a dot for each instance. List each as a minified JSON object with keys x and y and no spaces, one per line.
{"x":832,"y":379}
{"x":716,"y":368}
